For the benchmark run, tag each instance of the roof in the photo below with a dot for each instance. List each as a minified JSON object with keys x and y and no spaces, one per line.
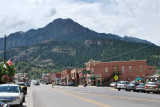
{"x":8,"y":85}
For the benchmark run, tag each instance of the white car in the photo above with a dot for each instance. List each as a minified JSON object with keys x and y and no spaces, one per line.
{"x":122,"y":85}
{"x":11,"y":94}
{"x":112,"y":84}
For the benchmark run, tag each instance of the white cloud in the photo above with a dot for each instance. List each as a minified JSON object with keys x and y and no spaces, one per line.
{"x":138,"y":18}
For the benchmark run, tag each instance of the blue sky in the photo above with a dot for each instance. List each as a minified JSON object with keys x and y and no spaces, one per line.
{"x":136,"y":18}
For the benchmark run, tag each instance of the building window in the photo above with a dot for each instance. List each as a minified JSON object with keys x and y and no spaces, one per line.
{"x":122,"y":68}
{"x":106,"y":70}
{"x":140,"y":68}
{"x":150,"y":68}
{"x":130,"y":68}
{"x":92,"y":70}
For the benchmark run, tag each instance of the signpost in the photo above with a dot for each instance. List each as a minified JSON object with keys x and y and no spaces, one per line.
{"x":116,"y":77}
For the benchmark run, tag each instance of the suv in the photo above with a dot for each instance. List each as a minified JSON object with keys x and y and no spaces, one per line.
{"x":151,"y":87}
{"x":11,"y":94}
{"x":132,"y":86}
{"x":122,"y":85}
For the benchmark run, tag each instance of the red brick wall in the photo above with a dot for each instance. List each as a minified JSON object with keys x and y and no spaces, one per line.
{"x":99,"y":68}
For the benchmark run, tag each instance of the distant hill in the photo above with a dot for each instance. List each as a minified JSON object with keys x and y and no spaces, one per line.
{"x":62,"y":29}
{"x":57,"y":54}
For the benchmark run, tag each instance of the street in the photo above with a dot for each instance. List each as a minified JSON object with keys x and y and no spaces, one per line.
{"x":65,"y":96}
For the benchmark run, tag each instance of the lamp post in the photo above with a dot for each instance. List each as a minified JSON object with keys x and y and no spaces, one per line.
{"x":5,"y":36}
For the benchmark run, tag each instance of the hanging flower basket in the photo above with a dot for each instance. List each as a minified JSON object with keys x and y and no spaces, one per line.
{"x":5,"y":79}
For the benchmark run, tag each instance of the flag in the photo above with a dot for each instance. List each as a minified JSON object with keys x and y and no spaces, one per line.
{"x":80,"y":73}
{"x":9,"y":62}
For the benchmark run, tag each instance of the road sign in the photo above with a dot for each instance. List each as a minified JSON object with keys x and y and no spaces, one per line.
{"x":116,"y":77}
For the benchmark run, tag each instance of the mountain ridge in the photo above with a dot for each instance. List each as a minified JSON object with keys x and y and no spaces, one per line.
{"x":63,"y":29}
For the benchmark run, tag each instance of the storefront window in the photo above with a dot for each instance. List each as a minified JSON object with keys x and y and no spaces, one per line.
{"x":92,"y":70}
{"x":130,"y":68}
{"x":122,"y":68}
{"x":106,"y":70}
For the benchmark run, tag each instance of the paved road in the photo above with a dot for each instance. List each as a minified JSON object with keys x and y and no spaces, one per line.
{"x":63,"y":96}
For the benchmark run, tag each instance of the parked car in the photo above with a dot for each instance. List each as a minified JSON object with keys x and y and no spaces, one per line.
{"x":28,"y":84}
{"x":158,"y":87}
{"x":112,"y":84}
{"x":132,"y":86}
{"x":64,"y":84}
{"x":141,"y":87}
{"x":46,"y":82}
{"x":37,"y":83}
{"x":151,"y":87}
{"x":71,"y":84}
{"x":122,"y":85}
{"x":23,"y":87}
{"x":11,"y":94}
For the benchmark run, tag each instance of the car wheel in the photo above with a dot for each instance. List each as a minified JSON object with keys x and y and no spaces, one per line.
{"x":148,"y":92}
{"x":20,"y":105}
{"x":119,"y":89}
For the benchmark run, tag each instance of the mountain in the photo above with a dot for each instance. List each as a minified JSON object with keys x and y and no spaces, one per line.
{"x":62,"y":29}
{"x":56,"y":54}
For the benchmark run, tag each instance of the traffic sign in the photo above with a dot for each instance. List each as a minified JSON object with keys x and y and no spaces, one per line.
{"x":116,"y":77}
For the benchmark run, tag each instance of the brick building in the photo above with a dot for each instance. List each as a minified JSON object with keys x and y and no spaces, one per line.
{"x":101,"y":73}
{"x":66,"y":75}
{"x":76,"y":75}
{"x":57,"y":77}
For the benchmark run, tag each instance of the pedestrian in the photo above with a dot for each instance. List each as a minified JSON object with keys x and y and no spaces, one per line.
{"x":52,"y":84}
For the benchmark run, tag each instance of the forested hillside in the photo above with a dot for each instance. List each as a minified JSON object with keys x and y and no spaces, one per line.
{"x":55,"y":55}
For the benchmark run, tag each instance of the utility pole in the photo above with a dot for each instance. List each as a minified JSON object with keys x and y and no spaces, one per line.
{"x":5,"y":36}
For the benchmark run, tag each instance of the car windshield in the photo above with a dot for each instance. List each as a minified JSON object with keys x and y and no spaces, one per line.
{"x":151,"y":83}
{"x":9,"y":89}
{"x":122,"y":82}
{"x":21,"y":84}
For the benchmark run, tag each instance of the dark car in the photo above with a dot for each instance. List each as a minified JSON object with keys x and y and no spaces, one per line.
{"x":132,"y":86}
{"x":46,"y":82}
{"x":151,"y":87}
{"x":71,"y":84}
{"x":28,"y":84}
{"x":37,"y":83}
{"x":141,"y":87}
{"x":23,"y":87}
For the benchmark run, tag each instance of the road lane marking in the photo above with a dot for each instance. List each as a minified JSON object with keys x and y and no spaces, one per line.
{"x":91,"y":101}
{"x":112,"y":89}
{"x":141,"y":99}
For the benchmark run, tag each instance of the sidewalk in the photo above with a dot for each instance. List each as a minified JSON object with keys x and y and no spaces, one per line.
{"x":29,"y":98}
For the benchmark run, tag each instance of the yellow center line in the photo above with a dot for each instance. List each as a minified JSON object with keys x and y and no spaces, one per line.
{"x":112,"y":96}
{"x":91,"y":101}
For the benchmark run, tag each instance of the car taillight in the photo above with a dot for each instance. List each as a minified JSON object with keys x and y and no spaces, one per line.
{"x":17,"y":97}
{"x":146,"y":86}
{"x":135,"y":85}
{"x":156,"y":86}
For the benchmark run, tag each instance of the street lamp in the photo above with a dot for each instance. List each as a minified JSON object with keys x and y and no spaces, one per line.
{"x":5,"y":36}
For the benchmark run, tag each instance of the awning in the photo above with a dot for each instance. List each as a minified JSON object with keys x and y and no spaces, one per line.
{"x":92,"y":77}
{"x":138,"y":78}
{"x":88,"y":71}
{"x":155,"y":76}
